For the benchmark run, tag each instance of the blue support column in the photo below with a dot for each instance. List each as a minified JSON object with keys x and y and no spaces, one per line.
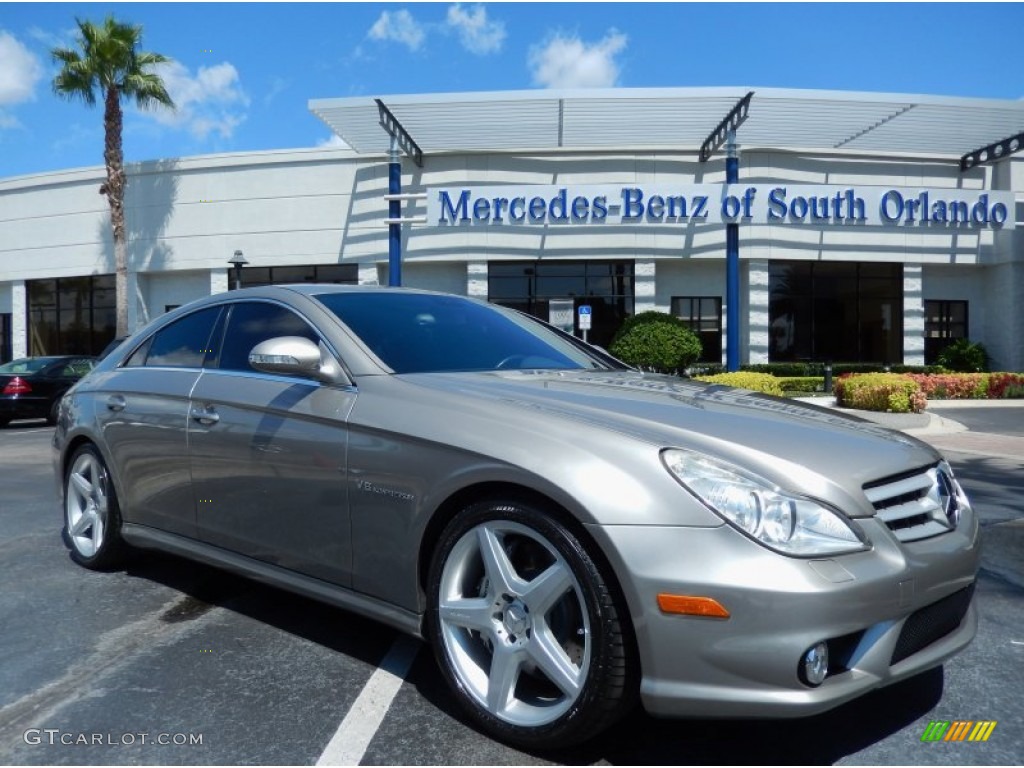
{"x":732,"y":269}
{"x":394,"y":213}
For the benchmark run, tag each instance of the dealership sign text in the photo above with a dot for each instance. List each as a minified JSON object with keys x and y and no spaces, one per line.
{"x":816,"y":205}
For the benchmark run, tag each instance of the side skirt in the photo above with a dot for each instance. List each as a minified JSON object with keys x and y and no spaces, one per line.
{"x":150,"y":538}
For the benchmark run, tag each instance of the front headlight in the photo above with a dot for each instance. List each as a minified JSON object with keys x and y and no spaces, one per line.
{"x":785,"y":522}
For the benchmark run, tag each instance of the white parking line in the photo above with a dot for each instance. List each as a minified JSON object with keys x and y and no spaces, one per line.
{"x":349,"y":743}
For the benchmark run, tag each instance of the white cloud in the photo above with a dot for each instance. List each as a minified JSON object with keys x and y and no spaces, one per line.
{"x":20,"y":70}
{"x":568,"y":62}
{"x":210,"y":102}
{"x":399,"y":27}
{"x":334,"y":141}
{"x":476,"y":33}
{"x":278,"y":85}
{"x":65,"y":38}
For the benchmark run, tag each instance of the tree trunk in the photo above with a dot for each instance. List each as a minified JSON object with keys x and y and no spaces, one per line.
{"x":114,"y":190}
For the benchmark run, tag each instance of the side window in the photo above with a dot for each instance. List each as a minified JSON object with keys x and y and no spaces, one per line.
{"x":184,"y":343}
{"x":254,"y":321}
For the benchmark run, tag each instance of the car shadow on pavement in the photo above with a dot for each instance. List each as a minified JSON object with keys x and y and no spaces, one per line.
{"x":818,"y":740}
{"x":637,"y":740}
{"x":640,"y":739}
{"x":205,"y":587}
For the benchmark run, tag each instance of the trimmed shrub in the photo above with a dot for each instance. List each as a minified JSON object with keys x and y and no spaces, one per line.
{"x":964,"y":356}
{"x":1005,"y":385}
{"x":788,"y":370}
{"x":884,"y":392}
{"x":758,"y":382}
{"x":802,"y":383}
{"x":953,"y":386}
{"x":663,"y":343}
{"x":642,"y":318}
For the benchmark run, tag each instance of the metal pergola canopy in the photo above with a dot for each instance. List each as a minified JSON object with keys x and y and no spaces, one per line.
{"x":676,"y":119}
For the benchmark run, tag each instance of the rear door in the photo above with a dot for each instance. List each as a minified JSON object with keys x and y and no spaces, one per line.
{"x":268,"y":452}
{"x":142,"y":410}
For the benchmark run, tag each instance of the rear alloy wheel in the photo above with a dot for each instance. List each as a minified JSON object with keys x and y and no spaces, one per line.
{"x":525,"y":628}
{"x":92,"y":521}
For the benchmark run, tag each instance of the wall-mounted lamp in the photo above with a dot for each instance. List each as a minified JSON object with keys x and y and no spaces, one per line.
{"x":238,"y":261}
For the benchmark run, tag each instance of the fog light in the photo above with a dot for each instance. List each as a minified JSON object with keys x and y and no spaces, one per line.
{"x":815,"y":665}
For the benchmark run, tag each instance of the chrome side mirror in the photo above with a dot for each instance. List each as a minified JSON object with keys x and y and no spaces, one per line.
{"x":293,"y":356}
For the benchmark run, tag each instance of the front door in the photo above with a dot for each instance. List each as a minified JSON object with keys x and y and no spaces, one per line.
{"x":268,"y":454}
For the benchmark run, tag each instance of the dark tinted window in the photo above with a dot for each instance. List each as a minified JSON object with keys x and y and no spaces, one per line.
{"x":184,"y":343}
{"x":415,"y":333}
{"x":252,"y":322}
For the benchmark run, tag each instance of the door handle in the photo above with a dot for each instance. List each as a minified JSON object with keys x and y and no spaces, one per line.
{"x":116,"y":403}
{"x":206,"y":415}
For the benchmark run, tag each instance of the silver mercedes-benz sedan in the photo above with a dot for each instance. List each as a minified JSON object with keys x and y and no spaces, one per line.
{"x":569,"y":535}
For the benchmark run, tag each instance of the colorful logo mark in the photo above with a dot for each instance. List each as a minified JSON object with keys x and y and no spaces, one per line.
{"x":958,"y":730}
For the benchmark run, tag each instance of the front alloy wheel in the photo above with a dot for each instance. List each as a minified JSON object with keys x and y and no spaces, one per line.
{"x":91,"y":518}
{"x":525,"y":628}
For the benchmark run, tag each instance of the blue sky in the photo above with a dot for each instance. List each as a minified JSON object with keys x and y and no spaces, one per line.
{"x":243,"y":73}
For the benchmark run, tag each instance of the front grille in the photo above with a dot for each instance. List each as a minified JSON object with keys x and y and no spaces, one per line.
{"x":931,"y":623}
{"x":915,"y":506}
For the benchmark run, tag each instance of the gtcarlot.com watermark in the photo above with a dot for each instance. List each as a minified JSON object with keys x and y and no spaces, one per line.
{"x":55,"y":736}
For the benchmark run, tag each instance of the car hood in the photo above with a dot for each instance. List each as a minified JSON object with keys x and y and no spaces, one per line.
{"x":794,"y":444}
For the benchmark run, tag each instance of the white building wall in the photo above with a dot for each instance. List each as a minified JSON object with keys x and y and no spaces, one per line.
{"x":1003,"y":332}
{"x":913,"y":315}
{"x":162,"y":290}
{"x":19,"y":316}
{"x":476,"y":279}
{"x":445,"y":277}
{"x":970,"y":284}
{"x":186,"y":217}
{"x":757,"y":313}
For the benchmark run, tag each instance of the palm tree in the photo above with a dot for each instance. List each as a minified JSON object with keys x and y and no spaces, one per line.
{"x":109,"y":66}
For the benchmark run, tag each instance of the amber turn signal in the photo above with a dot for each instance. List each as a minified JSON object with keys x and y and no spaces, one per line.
{"x":688,"y":605}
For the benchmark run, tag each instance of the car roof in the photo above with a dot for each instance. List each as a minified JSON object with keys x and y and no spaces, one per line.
{"x":313,"y":289}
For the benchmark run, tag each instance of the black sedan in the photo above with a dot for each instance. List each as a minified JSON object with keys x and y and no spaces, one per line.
{"x":31,"y":387}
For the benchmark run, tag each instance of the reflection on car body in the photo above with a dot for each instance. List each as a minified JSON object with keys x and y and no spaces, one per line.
{"x":569,"y":535}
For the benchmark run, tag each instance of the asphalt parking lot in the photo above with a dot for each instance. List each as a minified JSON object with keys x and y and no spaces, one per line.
{"x":228,"y":671}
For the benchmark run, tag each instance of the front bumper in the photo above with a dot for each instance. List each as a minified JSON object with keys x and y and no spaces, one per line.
{"x":747,"y":665}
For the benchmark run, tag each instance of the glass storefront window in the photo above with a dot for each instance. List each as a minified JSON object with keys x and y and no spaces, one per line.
{"x":345,"y":274}
{"x":704,"y":316}
{"x":529,"y":286}
{"x":945,"y":321}
{"x":839,"y":311}
{"x":71,"y":315}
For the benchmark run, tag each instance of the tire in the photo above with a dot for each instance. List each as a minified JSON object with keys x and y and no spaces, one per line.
{"x":92,"y":519}
{"x":525,"y":629}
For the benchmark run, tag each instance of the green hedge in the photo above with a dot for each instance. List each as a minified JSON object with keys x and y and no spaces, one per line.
{"x":802,"y":383}
{"x":884,"y":392}
{"x":802,"y":370}
{"x":758,"y":382}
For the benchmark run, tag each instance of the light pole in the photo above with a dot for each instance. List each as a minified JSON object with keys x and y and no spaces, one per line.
{"x":238,"y":261}
{"x":732,"y":264}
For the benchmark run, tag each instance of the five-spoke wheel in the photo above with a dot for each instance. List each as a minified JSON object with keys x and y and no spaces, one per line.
{"x":91,"y":518}
{"x":525,"y":628}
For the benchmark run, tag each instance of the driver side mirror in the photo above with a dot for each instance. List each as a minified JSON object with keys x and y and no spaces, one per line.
{"x":294,"y":356}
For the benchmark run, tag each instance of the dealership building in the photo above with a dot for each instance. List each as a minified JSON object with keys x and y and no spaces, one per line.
{"x":783,"y":225}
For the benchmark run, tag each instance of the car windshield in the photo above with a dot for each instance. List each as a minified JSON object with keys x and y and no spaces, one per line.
{"x":26,"y":365}
{"x":421,"y":333}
